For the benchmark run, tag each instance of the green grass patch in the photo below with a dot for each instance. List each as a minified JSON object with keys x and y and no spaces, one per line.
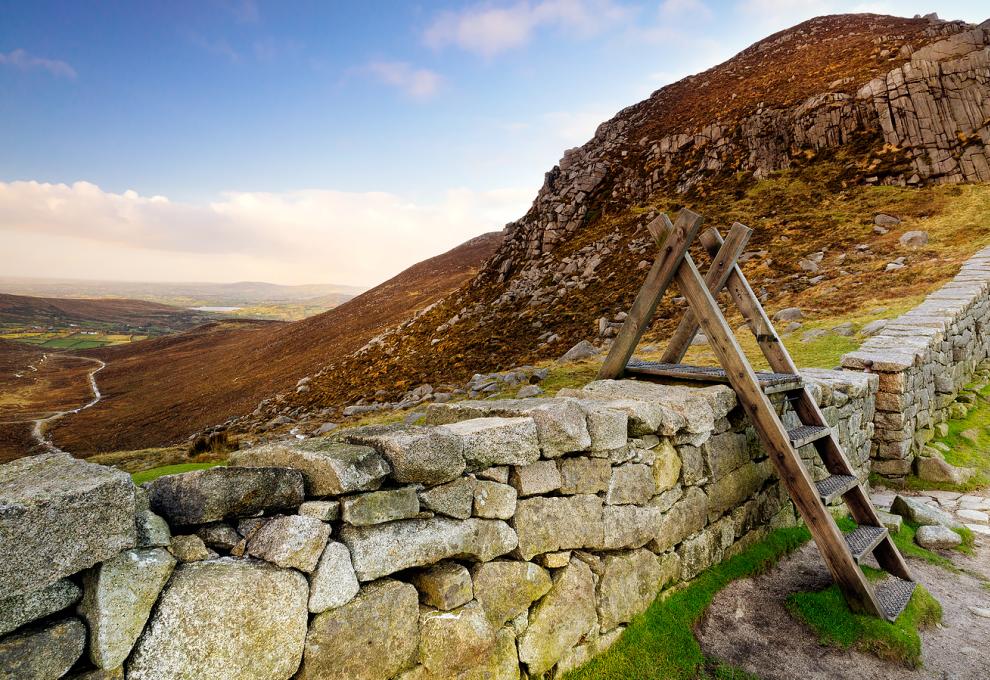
{"x":155,"y":473}
{"x":972,"y":450}
{"x":827,"y":613}
{"x":660,"y":643}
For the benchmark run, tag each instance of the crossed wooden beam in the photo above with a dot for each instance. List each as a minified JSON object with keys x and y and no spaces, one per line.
{"x":673,"y":262}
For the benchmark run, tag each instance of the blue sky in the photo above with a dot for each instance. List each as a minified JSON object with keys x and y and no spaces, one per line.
{"x":320,"y":141}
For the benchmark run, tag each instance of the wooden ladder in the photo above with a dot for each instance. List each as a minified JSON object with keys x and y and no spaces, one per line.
{"x":842,"y":552}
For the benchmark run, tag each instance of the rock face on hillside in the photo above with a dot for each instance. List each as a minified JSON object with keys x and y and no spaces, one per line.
{"x":852,"y":101}
{"x":926,"y":97}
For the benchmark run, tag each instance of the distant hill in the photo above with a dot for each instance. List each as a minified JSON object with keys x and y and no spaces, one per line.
{"x":187,"y":294}
{"x":23,"y":309}
{"x":162,"y":390}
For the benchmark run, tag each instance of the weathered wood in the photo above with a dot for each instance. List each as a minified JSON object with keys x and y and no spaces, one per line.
{"x":723,"y":263}
{"x":857,"y":500}
{"x":831,"y":543}
{"x":770,"y":382}
{"x":673,"y":248}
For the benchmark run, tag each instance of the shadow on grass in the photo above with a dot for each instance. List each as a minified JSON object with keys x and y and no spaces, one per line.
{"x":827,"y":613}
{"x":660,"y":643}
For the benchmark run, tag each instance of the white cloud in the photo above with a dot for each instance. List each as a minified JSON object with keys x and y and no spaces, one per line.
{"x":80,"y":230}
{"x":488,"y":30}
{"x":419,"y":83}
{"x":21,"y":59}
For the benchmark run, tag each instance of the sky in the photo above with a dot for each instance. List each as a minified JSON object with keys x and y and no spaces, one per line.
{"x":322,"y":142}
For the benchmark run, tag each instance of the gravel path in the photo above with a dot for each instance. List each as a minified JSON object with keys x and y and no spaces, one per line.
{"x":749,"y":626}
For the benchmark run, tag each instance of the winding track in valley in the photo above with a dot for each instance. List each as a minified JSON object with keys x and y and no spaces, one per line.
{"x":38,"y":431}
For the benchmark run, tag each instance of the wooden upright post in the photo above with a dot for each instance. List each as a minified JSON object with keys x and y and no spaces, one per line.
{"x":672,"y":251}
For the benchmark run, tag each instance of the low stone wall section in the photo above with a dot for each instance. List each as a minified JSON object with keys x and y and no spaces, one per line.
{"x":923,"y":359}
{"x":504,"y":538}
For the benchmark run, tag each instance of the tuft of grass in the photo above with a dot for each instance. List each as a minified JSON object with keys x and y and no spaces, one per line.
{"x":660,"y":643}
{"x":827,"y":613}
{"x":155,"y":473}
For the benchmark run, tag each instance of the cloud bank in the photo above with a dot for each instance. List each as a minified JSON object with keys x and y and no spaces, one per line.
{"x":488,"y":30}
{"x":22,"y":60}
{"x":310,"y":236}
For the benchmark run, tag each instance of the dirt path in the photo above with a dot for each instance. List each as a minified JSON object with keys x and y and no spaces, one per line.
{"x":749,"y":626}
{"x":41,"y":424}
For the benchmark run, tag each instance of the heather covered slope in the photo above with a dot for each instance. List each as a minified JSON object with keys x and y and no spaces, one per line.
{"x":164,"y":390}
{"x":806,"y":136}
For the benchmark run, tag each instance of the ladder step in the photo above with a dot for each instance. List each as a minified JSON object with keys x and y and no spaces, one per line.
{"x":805,"y":434}
{"x":893,"y":594}
{"x":835,"y":486}
{"x":863,"y":539}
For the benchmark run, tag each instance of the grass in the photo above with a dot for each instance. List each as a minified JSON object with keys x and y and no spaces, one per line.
{"x":660,"y":643}
{"x":155,"y":473}
{"x":826,"y":612}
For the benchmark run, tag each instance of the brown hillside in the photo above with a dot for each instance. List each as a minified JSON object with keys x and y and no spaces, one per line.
{"x":805,"y":136}
{"x":163,"y":390}
{"x":26,"y":309}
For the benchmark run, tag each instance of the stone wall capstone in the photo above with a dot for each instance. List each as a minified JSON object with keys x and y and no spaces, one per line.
{"x":502,"y":538}
{"x":923,"y":360}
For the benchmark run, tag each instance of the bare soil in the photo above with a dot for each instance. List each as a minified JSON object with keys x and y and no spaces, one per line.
{"x":748,"y":624}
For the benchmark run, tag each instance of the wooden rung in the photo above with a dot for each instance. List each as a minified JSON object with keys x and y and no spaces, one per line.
{"x":805,"y":434}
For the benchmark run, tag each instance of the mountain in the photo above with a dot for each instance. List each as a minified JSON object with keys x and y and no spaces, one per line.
{"x":23,"y":309}
{"x":165,"y":389}
{"x":808,"y":136}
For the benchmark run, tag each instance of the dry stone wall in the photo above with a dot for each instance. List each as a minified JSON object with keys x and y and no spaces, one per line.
{"x":503,"y":539}
{"x":923,"y":360}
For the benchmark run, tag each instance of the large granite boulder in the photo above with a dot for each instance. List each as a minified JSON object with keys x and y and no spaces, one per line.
{"x":561,"y":425}
{"x":627,"y":586}
{"x":225,"y":618}
{"x":384,"y":549}
{"x":37,"y":604}
{"x":117,"y":599}
{"x":453,"y":641}
{"x":559,"y":523}
{"x":561,"y":619}
{"x":330,"y":468}
{"x":375,"y":635}
{"x":291,"y":541}
{"x":43,"y":652}
{"x":58,"y":516}
{"x":204,"y":496}
{"x":921,"y":513}
{"x":418,"y":455}
{"x":506,"y":588}
{"x":334,"y":582}
{"x":497,"y":441}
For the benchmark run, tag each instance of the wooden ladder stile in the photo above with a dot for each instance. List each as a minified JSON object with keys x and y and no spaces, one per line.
{"x":841,"y":552}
